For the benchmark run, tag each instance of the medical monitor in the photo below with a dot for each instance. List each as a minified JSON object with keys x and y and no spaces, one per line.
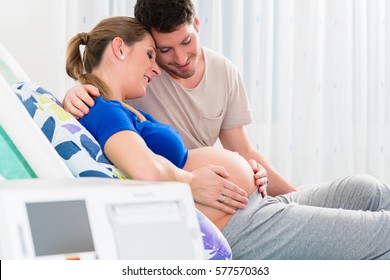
{"x":60,"y":227}
{"x":95,"y":218}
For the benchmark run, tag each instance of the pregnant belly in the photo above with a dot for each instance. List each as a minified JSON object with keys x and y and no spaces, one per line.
{"x":240,"y":173}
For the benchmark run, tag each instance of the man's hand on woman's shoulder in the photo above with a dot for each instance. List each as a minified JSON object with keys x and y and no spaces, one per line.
{"x":79,"y":99}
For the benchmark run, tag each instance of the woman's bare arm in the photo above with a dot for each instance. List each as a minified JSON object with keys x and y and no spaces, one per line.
{"x":128,"y":151}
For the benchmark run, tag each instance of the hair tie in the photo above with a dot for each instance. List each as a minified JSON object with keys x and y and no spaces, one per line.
{"x":84,"y":36}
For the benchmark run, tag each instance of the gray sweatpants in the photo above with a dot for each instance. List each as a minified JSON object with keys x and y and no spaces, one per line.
{"x":348,"y":218}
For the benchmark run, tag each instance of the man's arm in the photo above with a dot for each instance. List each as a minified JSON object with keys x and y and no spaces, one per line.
{"x":236,"y":140}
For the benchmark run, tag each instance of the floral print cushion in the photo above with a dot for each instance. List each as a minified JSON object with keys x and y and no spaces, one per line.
{"x":76,"y":146}
{"x":84,"y":157}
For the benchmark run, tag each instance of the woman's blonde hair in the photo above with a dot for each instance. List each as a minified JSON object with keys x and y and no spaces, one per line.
{"x":79,"y":67}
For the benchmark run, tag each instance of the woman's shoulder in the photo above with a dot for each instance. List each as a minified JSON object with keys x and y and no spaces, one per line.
{"x":101,"y":102}
{"x":106,"y":107}
{"x":104,"y":110}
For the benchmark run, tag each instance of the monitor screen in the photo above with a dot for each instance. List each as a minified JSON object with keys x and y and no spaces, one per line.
{"x":60,"y":227}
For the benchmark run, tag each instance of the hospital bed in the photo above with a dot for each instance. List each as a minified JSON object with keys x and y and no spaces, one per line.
{"x":52,"y":208}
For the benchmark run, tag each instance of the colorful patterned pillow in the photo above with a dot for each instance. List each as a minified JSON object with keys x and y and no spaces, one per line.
{"x":76,"y":146}
{"x":84,"y":157}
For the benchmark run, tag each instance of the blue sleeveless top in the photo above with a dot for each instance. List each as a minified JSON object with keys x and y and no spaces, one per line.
{"x":109,"y":117}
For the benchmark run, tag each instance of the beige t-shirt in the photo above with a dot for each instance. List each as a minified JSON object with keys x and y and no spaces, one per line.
{"x":218,"y":102}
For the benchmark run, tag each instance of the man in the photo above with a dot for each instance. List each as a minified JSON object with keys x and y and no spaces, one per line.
{"x":199,"y":92}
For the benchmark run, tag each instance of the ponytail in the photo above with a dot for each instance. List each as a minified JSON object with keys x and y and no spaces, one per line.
{"x":75,"y":64}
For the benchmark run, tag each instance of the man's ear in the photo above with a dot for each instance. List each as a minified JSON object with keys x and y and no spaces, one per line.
{"x":117,"y":45}
{"x":197,"y":23}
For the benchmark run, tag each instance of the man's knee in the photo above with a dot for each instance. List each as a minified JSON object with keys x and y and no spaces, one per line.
{"x":363,"y":182}
{"x":367,"y":187}
{"x":364,"y":179}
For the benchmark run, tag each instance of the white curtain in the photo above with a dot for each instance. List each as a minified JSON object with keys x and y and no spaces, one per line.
{"x":317,"y":73}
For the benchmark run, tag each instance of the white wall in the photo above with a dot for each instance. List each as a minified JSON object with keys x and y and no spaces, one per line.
{"x":33,"y":31}
{"x":36,"y":33}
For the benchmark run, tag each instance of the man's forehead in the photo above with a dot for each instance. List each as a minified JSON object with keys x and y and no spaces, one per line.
{"x":175,"y":37}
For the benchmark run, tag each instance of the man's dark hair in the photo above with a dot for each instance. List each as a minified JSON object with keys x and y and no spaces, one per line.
{"x":164,"y":16}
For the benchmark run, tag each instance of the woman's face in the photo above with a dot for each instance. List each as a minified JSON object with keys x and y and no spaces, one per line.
{"x":141,"y":67}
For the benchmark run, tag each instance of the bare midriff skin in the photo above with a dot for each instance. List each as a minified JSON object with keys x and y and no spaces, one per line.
{"x":240,"y":173}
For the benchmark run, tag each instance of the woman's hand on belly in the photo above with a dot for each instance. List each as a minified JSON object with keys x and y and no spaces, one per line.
{"x":230,"y":186}
{"x":211,"y":189}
